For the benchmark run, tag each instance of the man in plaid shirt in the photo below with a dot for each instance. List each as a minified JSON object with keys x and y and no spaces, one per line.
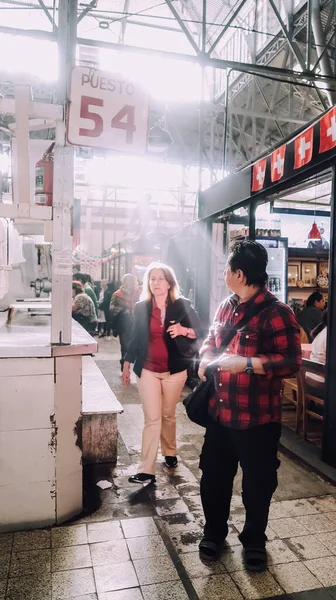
{"x":245,"y":413}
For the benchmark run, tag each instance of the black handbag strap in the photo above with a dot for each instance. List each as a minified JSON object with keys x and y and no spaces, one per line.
{"x":255,"y":310}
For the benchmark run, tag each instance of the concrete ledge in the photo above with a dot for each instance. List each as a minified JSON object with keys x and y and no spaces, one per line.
{"x":307,"y":452}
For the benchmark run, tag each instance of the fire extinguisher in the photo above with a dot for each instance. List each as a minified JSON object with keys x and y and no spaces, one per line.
{"x":44,"y":178}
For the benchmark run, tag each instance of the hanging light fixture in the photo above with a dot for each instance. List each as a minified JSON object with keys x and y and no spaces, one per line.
{"x":314,"y":234}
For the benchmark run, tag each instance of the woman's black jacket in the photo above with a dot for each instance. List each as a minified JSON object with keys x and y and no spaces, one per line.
{"x":179,"y":311}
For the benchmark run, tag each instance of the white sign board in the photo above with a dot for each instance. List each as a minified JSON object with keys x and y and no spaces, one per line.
{"x":107,"y":111}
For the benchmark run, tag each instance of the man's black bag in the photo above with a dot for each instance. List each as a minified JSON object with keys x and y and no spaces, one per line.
{"x":197,"y":402}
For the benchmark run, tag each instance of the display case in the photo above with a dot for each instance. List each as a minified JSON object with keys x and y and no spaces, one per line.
{"x":277,"y":250}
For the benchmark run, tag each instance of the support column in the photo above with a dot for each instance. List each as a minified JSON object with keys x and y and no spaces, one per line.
{"x":63,"y":183}
{"x":329,"y":429}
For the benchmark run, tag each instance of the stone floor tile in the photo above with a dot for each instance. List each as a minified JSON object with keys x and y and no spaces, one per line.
{"x":179,"y":522}
{"x":195,"y":567}
{"x":37,"y":587}
{"x":271,"y":535}
{"x":324,"y":569}
{"x":139,"y":527}
{"x":187,"y":541}
{"x":103,"y":532}
{"x":3,"y":586}
{"x":6,"y":541}
{"x":146,"y":547}
{"x":194,"y":503}
{"x":71,"y":557}
{"x":85,"y":597}
{"x":319,"y":523}
{"x":289,"y":527}
{"x":129,"y":594}
{"x":278,"y":553}
{"x":76,"y":582}
{"x":328,"y":540}
{"x":30,"y":563}
{"x":173,"y":590}
{"x":108,"y":553}
{"x":278,"y":511}
{"x":308,"y":546}
{"x":256,"y":585}
{"x":232,"y":558}
{"x":4,"y":564}
{"x":232,"y":537}
{"x":324,"y":504}
{"x":298,"y":508}
{"x":216,"y":587}
{"x":115,"y":577}
{"x":294,"y":577}
{"x":163,"y":492}
{"x":170,"y":507}
{"x":188,"y":490}
{"x":74,"y":535}
{"x":331,"y":516}
{"x":155,"y":570}
{"x":31,"y":540}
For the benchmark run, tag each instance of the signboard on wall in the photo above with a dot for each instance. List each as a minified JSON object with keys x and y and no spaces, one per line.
{"x":107,"y":111}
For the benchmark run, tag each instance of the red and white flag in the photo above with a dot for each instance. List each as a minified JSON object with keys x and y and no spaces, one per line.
{"x":303,"y":148}
{"x":278,"y":163}
{"x":258,"y":175}
{"x":328,"y":131}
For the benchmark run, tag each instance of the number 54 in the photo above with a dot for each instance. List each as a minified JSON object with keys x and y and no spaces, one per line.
{"x":124,"y":119}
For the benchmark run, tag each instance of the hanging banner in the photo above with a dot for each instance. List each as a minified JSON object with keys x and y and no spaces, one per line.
{"x":278,"y":163}
{"x":303,"y":148}
{"x":328,"y":131}
{"x":258,"y":177}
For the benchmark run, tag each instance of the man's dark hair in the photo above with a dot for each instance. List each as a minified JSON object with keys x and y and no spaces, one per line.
{"x":77,"y":288}
{"x":314,"y":297}
{"x":80,"y":277}
{"x":250,"y":258}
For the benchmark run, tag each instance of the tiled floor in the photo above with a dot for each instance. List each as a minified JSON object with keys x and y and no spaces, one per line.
{"x":142,"y":543}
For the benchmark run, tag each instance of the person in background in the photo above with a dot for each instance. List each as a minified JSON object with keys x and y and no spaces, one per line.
{"x":122,"y":311}
{"x":244,"y":424}
{"x":105,"y":306}
{"x":83,"y":310}
{"x":316,"y":382}
{"x":83,"y":280}
{"x":311,"y":315}
{"x":159,"y":363}
{"x":101,"y":313}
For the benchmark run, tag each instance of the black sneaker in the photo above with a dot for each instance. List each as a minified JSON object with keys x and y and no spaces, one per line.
{"x":142,"y":478}
{"x":171,"y":461}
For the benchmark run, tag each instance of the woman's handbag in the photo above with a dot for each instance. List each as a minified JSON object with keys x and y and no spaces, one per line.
{"x":197,"y":402}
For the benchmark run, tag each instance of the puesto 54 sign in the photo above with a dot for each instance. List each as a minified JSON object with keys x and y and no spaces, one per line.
{"x":107,"y":111}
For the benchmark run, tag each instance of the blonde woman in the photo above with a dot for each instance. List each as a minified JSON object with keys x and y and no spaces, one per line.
{"x":160,"y":363}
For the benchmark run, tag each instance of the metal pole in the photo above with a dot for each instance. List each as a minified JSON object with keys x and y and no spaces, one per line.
{"x":252,"y":220}
{"x":309,"y":35}
{"x":63,"y":192}
{"x":226,"y":116}
{"x":329,"y":425}
{"x":201,"y":110}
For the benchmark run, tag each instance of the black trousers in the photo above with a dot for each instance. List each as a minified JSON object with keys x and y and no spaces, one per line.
{"x":256,"y":450}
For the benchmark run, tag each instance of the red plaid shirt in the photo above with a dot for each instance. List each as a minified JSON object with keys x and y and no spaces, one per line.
{"x":273,"y":335}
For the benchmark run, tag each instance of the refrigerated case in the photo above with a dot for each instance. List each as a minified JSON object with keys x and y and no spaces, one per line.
{"x":277,"y":250}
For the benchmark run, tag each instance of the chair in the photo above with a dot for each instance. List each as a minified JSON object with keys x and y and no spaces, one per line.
{"x":292,"y":384}
{"x":305,"y":396}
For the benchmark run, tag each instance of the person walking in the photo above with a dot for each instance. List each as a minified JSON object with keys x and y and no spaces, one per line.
{"x":122,"y":311}
{"x":165,"y":328}
{"x":244,"y":424}
{"x":105,"y":306}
